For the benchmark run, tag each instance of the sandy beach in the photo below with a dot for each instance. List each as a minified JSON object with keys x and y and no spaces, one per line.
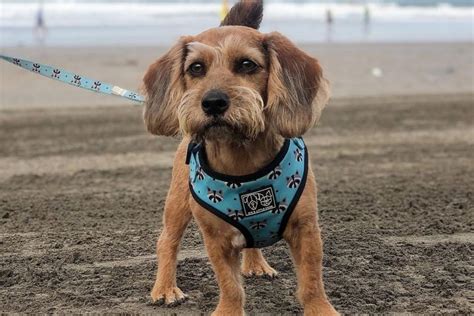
{"x":405,"y":69}
{"x":82,"y":187}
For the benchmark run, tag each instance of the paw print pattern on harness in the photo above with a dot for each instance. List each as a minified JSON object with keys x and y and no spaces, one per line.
{"x":199,"y":174}
{"x":233,"y":185}
{"x":235,"y":214}
{"x":298,"y":154}
{"x":258,"y":224}
{"x":293,"y":181}
{"x":275,"y":173}
{"x":281,"y":207}
{"x":215,"y":196}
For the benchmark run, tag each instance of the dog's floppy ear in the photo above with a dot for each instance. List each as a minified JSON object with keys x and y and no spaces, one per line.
{"x":245,"y":13}
{"x":296,"y":91}
{"x":164,"y":88}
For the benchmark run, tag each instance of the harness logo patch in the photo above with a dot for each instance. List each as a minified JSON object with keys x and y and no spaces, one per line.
{"x":258,"y":201}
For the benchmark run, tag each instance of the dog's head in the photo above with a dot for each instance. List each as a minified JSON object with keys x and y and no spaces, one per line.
{"x":235,"y":82}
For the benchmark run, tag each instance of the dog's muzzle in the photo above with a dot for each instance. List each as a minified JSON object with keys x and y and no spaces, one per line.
{"x":215,"y":103}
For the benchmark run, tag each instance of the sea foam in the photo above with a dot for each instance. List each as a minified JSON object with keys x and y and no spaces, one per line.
{"x":77,"y":14}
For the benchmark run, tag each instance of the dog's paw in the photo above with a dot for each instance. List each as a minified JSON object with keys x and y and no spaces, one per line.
{"x":260,"y":269}
{"x":236,"y":311}
{"x":320,"y":308}
{"x":170,"y":297}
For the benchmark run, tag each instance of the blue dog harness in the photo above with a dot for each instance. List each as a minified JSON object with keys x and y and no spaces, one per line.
{"x":258,"y":205}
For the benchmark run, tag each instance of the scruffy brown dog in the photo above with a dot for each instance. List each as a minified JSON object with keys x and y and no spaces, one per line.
{"x":240,"y":94}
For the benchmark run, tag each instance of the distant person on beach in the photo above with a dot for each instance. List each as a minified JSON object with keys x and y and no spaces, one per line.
{"x":40,"y":26}
{"x":366,"y":15}
{"x":329,"y":22}
{"x":329,"y":18}
{"x":366,"y":20}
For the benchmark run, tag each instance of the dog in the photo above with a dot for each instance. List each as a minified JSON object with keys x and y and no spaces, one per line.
{"x":240,"y":100}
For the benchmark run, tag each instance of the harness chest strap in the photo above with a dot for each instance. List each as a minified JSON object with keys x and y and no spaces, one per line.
{"x":260,"y":204}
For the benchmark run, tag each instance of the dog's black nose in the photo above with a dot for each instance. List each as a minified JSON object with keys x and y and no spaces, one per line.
{"x":215,"y":102}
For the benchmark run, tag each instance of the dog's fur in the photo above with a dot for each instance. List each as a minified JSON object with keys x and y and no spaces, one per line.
{"x":283,"y":97}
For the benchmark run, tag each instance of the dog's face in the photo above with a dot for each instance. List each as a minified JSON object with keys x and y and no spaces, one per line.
{"x":225,"y":75}
{"x":234,"y":82}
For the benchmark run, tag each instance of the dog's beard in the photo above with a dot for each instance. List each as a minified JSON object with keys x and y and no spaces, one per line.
{"x":243,"y":122}
{"x":219,"y":129}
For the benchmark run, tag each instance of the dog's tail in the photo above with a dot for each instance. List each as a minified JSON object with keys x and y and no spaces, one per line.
{"x":245,"y":13}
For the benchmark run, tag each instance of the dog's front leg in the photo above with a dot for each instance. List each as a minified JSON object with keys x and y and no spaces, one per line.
{"x":175,"y":219}
{"x":306,"y":248}
{"x":165,"y":290}
{"x":303,"y":235}
{"x":225,"y":263}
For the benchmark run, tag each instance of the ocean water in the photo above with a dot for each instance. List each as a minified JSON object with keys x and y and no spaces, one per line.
{"x":156,"y":22}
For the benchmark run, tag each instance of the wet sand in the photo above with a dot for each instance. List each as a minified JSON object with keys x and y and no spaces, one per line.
{"x":82,"y":190}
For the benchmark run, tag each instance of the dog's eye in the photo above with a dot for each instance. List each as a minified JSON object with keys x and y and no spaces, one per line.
{"x":197,"y":69}
{"x":246,"y":66}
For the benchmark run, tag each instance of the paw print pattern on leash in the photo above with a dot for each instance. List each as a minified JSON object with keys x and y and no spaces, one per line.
{"x":36,"y":68}
{"x":96,"y":85}
{"x":56,"y":73}
{"x":72,"y":78}
{"x":76,"y":80}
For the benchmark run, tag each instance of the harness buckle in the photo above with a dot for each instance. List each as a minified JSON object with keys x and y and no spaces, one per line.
{"x":192,"y":148}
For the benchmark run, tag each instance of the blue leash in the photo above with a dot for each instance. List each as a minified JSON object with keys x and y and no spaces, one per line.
{"x":74,"y":79}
